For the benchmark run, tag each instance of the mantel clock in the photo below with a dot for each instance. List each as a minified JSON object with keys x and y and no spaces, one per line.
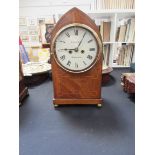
{"x":76,"y":59}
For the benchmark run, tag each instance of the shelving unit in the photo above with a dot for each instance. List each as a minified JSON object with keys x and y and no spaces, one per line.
{"x":113,"y":16}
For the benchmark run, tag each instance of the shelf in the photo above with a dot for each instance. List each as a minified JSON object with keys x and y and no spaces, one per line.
{"x":118,"y":42}
{"x":120,"y":66}
{"x":124,"y":42}
{"x":108,"y":43}
{"x":106,"y":12}
{"x":111,"y":11}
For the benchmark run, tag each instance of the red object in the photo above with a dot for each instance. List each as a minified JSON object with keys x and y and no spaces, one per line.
{"x":129,"y":83}
{"x":106,"y":75}
{"x":20,"y":41}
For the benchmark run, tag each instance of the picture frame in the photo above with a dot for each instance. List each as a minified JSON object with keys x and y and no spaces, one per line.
{"x":22,"y":21}
{"x":45,"y":32}
{"x":33,"y":30}
{"x":32,"y":22}
{"x":40,"y":21}
{"x":25,"y":38}
{"x":23,"y":30}
{"x":34,"y":38}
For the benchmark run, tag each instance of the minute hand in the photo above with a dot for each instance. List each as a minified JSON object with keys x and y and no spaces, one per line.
{"x":81,"y":40}
{"x":67,"y":49}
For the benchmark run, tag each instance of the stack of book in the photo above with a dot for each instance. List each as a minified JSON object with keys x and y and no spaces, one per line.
{"x":105,"y":28}
{"x":106,"y":53}
{"x":124,"y":55}
{"x":112,"y":4}
{"x":126,"y":31}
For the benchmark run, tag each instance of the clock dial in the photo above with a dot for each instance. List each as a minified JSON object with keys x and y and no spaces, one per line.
{"x":76,"y":48}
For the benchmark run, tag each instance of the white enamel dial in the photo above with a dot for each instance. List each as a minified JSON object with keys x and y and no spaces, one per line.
{"x":76,"y":48}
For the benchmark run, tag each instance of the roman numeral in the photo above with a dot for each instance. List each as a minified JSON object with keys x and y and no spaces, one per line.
{"x":76,"y":65}
{"x":76,"y":32}
{"x":84,"y":62}
{"x":68,"y":63}
{"x":92,"y":49}
{"x":67,"y":34}
{"x":89,"y":57}
{"x":62,"y":57}
{"x":90,"y":40}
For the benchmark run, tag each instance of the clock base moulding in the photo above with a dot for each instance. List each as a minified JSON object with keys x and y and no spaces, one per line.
{"x":97,"y":102}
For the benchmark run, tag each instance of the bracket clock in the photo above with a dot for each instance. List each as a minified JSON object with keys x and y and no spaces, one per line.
{"x":76,"y":59}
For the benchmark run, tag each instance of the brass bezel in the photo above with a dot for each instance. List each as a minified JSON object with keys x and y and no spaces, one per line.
{"x":99,"y":44}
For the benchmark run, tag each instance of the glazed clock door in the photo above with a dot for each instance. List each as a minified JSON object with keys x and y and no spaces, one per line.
{"x":76,"y":48}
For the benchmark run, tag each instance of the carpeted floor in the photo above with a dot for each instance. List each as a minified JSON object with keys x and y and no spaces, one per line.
{"x":78,"y":130}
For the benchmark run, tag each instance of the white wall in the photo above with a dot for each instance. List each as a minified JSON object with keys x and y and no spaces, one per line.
{"x":42,"y":8}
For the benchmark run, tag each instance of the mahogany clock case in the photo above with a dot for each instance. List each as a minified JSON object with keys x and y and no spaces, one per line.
{"x":77,"y":88}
